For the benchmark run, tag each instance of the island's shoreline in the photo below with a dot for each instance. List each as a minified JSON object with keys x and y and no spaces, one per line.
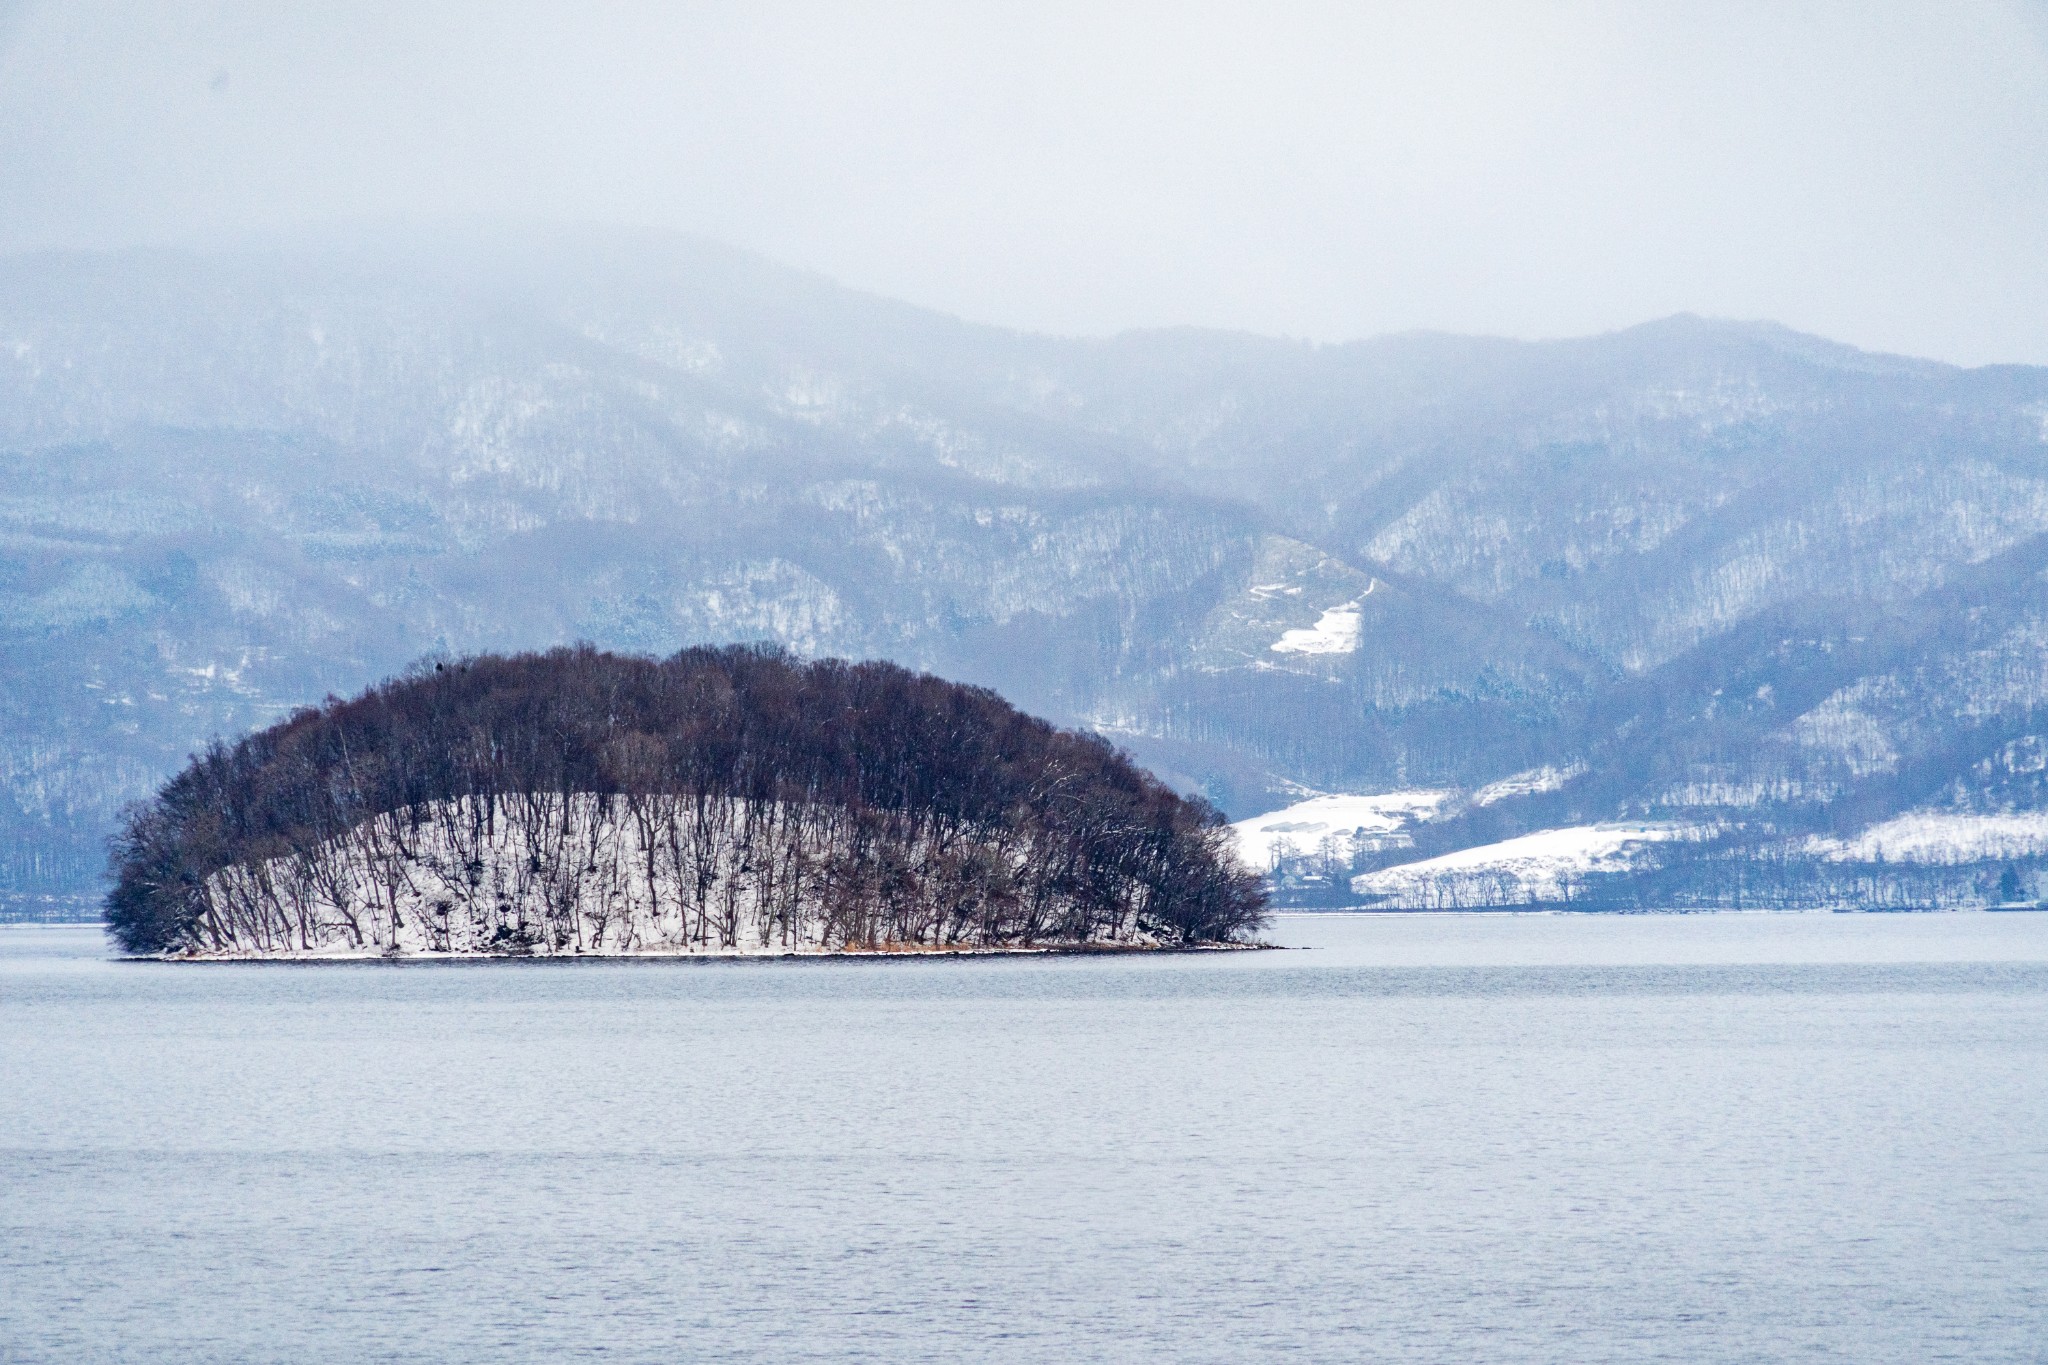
{"x":381,"y":959}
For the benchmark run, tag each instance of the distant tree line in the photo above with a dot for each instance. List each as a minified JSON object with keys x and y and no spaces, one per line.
{"x":721,"y":799}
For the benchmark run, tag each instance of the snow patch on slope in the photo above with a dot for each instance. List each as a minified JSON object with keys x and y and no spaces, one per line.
{"x":1539,"y":868}
{"x":1943,"y":837}
{"x":1336,"y":631}
{"x":1304,"y":825}
{"x":1300,"y":611}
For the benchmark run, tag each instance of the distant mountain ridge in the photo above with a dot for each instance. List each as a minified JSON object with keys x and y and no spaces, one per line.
{"x":1717,"y":572}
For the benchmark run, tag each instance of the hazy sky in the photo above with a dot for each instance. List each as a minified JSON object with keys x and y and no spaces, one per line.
{"x":1876,"y":171}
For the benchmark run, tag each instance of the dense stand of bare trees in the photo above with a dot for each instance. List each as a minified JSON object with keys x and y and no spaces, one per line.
{"x":721,"y":800}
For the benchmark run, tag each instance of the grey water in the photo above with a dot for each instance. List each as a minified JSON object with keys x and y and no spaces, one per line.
{"x":1416,"y":1138}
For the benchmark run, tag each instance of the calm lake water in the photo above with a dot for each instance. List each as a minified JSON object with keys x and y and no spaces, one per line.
{"x":1543,"y":1138}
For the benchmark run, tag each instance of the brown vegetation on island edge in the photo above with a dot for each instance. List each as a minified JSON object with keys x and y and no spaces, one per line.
{"x":726,"y":800}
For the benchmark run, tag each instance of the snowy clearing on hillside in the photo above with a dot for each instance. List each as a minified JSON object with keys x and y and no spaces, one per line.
{"x":1943,"y":837}
{"x":1539,"y":868}
{"x":1336,"y":631}
{"x":1304,"y":825}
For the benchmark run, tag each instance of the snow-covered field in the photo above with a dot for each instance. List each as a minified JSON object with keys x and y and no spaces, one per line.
{"x":1301,"y":827}
{"x":1943,"y":837}
{"x":1544,"y":867}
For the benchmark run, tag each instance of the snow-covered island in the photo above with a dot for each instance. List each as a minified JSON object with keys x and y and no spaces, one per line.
{"x":724,"y":801}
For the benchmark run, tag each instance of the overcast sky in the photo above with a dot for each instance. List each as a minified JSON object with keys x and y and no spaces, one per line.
{"x":1874,"y":171}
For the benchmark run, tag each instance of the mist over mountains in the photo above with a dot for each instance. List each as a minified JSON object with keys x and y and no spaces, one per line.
{"x":1703,"y":571}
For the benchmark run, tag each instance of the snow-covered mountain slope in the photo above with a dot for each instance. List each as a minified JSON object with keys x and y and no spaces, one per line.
{"x":1334,"y":826}
{"x":1944,"y":837}
{"x":1549,"y":867}
{"x":1703,"y":571}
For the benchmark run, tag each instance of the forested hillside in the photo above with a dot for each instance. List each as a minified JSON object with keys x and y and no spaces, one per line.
{"x":719,"y":801}
{"x":1713,"y":572}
